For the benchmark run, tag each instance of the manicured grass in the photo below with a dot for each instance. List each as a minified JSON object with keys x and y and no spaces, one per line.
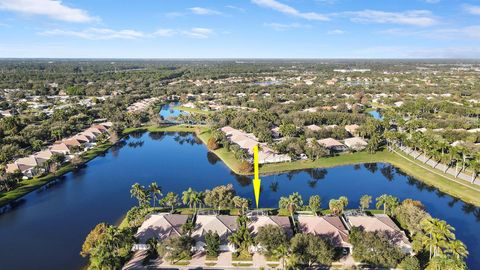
{"x":181,"y":263}
{"x":26,"y":186}
{"x":210,"y":263}
{"x":242,"y":257}
{"x":211,"y":258}
{"x":191,"y":110}
{"x":224,"y":154}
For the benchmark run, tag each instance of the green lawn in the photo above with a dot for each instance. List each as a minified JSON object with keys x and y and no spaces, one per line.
{"x":224,"y":154}
{"x":27,"y":186}
{"x":191,"y":110}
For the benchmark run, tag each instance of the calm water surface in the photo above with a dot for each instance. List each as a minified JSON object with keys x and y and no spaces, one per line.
{"x":47,"y":227}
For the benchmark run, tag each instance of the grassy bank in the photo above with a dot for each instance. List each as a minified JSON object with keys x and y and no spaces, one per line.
{"x":191,"y":110}
{"x":463,"y":190}
{"x":26,"y":186}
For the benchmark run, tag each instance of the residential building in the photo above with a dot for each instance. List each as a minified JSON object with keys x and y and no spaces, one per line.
{"x":223,"y":225}
{"x":381,"y":222}
{"x":330,"y":227}
{"x":159,"y":226}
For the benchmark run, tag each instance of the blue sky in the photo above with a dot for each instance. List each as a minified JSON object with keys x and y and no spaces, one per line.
{"x":240,"y":29}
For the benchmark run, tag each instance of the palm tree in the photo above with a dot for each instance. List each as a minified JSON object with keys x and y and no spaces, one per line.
{"x":138,"y":192}
{"x":155,"y":192}
{"x":382,"y":201}
{"x":388,"y":202}
{"x":291,"y":203}
{"x":458,"y":249}
{"x":187,"y":197}
{"x":281,"y":253}
{"x":197,"y":199}
{"x":365,"y":202}
{"x":439,"y":234}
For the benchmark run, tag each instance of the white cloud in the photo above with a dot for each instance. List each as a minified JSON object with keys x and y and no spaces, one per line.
{"x":411,"y":17}
{"x":164,"y":32}
{"x":235,"y":8}
{"x":96,"y":33}
{"x":431,"y":1}
{"x":107,"y":34}
{"x":54,"y":9}
{"x":286,"y":9}
{"x":198,"y":32}
{"x":475,"y":10}
{"x":283,"y":26}
{"x":204,"y":11}
{"x":336,"y":32}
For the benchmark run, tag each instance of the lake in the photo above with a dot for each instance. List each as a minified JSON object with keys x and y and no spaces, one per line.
{"x":47,"y":227}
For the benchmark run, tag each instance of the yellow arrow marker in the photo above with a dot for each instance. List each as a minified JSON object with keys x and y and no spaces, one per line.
{"x":256,"y":179}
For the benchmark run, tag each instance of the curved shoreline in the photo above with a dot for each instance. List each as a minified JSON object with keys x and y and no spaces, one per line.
{"x":460,"y":189}
{"x":457,"y":188}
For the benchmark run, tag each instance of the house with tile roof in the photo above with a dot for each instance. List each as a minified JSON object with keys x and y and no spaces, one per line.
{"x":221,"y":224}
{"x":382,"y":222}
{"x":332,"y":144}
{"x":159,"y":226}
{"x":331,"y":228}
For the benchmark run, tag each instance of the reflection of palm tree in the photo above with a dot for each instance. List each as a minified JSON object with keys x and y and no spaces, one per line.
{"x":312,"y":183}
{"x":476,"y":213}
{"x":452,"y":202}
{"x":318,"y":173}
{"x":371,"y":167}
{"x":274,"y":186}
{"x":468,"y":208}
{"x":387,"y":171}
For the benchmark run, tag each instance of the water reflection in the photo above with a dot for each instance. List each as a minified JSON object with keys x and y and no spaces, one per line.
{"x":212,"y":158}
{"x":274,"y":186}
{"x":63,"y":216}
{"x":156,"y":136}
{"x":371,"y":167}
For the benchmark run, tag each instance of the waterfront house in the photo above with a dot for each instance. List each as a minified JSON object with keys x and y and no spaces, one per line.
{"x":26,"y":165}
{"x":355,"y":143}
{"x":331,"y":228}
{"x":43,"y":156}
{"x":159,"y":226}
{"x":247,"y":141}
{"x":381,"y":222}
{"x":352,"y":129}
{"x":60,"y":148}
{"x":258,"y":222}
{"x":332,"y":144}
{"x":221,"y":224}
